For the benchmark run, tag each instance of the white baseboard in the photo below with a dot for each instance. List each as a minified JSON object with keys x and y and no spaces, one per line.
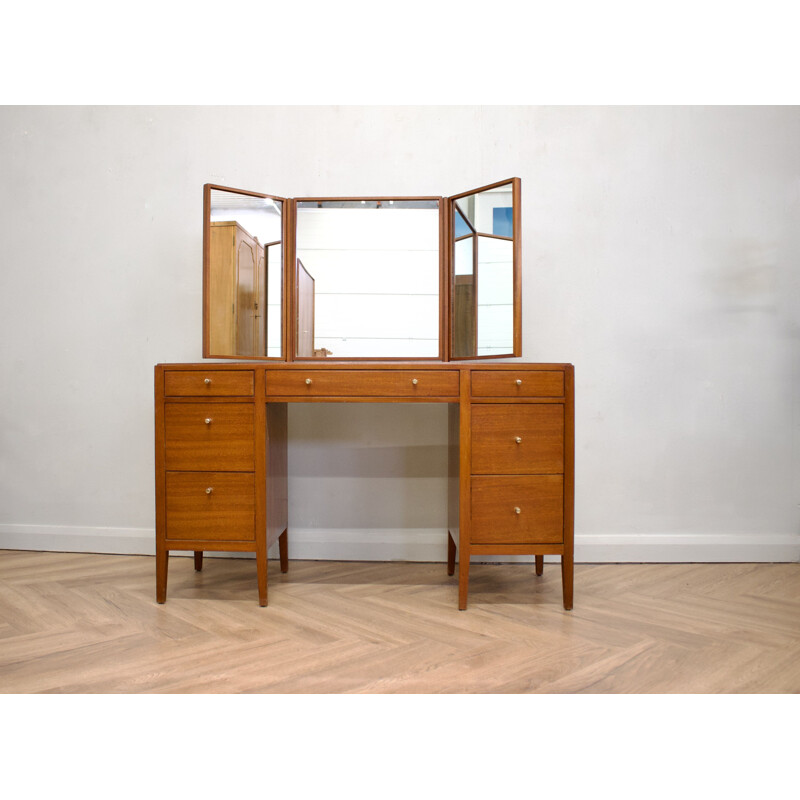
{"x":687,"y":547}
{"x":78,"y":539}
{"x":425,"y":544}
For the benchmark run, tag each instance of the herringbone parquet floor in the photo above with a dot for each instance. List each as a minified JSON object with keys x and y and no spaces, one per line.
{"x":81,"y":623}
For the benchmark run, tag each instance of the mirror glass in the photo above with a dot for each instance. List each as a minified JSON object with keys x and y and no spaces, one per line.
{"x":483,"y":273}
{"x":244,"y":274}
{"x":368,"y":275}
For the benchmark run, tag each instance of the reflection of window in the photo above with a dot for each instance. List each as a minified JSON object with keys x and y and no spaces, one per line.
{"x":462,"y":227}
{"x":502,"y":224}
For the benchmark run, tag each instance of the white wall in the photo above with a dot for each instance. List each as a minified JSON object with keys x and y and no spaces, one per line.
{"x":661,"y":254}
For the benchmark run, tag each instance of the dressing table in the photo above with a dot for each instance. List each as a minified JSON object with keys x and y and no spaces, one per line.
{"x":221,"y":427}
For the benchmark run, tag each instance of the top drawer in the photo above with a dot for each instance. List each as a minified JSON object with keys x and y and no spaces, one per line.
{"x":362,"y":383}
{"x":209,"y":383}
{"x":517,"y":383}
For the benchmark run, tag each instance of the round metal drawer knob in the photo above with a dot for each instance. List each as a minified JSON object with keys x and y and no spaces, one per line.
{"x":518,"y":382}
{"x":209,"y":490}
{"x":414,"y":381}
{"x":208,"y":420}
{"x":308,"y":381}
{"x":517,"y":510}
{"x":518,"y":439}
{"x":207,"y":381}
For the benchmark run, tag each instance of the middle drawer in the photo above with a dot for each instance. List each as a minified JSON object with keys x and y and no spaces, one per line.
{"x":209,"y":436}
{"x":517,"y":439}
{"x":362,"y":383}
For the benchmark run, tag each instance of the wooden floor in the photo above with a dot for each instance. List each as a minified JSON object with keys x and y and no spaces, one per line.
{"x":80,"y":623}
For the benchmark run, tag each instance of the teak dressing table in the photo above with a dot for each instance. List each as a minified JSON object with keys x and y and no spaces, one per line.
{"x":221,"y":428}
{"x":221,"y":446}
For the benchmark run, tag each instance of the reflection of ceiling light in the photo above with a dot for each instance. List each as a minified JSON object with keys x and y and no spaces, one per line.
{"x":363,"y":202}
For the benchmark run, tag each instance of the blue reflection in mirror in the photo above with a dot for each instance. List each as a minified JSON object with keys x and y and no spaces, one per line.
{"x":461,"y":227}
{"x":502,"y":222}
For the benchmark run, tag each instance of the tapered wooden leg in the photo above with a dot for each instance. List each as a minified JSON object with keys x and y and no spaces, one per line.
{"x":261,"y":569}
{"x":451,"y":554}
{"x":198,"y":560}
{"x":162,"y":560}
{"x":283,"y":548}
{"x":539,"y":565}
{"x":463,"y":580}
{"x":566,"y":579}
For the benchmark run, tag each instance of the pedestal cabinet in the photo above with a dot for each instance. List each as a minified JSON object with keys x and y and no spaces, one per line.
{"x":221,"y":455}
{"x":214,"y":445}
{"x":520,"y":463}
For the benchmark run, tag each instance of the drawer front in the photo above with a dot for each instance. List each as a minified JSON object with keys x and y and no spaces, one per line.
{"x":527,"y":510}
{"x":225,"y":513}
{"x":362,"y":383}
{"x":209,"y":383}
{"x":517,"y":383}
{"x":517,"y":438}
{"x":209,"y":436}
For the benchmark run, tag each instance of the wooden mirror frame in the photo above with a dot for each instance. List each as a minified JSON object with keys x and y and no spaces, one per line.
{"x":289,"y":306}
{"x":443,"y":279}
{"x":516,"y":186}
{"x":207,"y":190}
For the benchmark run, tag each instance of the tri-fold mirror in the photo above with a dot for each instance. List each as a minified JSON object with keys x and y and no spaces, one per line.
{"x":390,"y":278}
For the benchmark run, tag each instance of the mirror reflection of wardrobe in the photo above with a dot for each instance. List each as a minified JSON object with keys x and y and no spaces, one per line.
{"x":244,"y":274}
{"x":305,"y":312}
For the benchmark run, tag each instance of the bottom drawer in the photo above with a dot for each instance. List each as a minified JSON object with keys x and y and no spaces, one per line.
{"x":211,"y":506}
{"x":518,"y":510}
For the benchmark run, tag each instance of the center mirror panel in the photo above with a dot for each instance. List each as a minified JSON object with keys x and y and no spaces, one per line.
{"x":244,"y":274}
{"x":368,"y":276}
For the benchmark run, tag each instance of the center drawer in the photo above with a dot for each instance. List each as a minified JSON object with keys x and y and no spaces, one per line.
{"x":209,"y":436}
{"x":362,"y":383}
{"x":517,"y":439}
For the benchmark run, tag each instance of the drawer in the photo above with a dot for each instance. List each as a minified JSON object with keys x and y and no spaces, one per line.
{"x":209,"y":436}
{"x":518,"y":510}
{"x":211,"y":506}
{"x":362,"y":383}
{"x":517,"y":383}
{"x":517,"y":438}
{"x":209,"y":383}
